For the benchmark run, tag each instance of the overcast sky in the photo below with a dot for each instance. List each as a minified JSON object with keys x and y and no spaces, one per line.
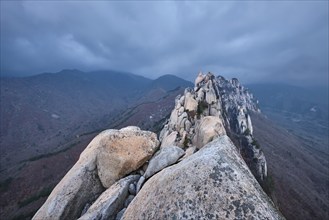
{"x":253,"y":41}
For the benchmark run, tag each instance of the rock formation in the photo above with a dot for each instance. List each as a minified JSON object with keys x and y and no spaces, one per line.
{"x":110,"y":156}
{"x":216,"y":107}
{"x":110,"y":202}
{"x":197,"y":173}
{"x":213,"y":183}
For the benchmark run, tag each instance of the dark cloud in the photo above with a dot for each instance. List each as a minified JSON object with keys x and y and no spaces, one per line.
{"x":254,"y":41}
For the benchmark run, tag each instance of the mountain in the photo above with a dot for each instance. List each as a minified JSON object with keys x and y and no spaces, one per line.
{"x":197,"y":173}
{"x":49,"y":118}
{"x":168,"y":82}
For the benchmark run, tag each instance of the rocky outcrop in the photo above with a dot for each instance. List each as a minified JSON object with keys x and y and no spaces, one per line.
{"x":110,"y":156}
{"x":216,"y":107}
{"x":213,"y":183}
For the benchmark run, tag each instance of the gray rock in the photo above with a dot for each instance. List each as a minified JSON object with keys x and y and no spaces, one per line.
{"x":211,"y":94}
{"x":110,"y":202}
{"x":188,"y":152}
{"x":213,"y":183}
{"x":165,"y":157}
{"x":169,"y":139}
{"x":140,"y":183}
{"x":120,"y":214}
{"x":141,"y":172}
{"x":128,"y":200}
{"x":187,"y":126}
{"x":85,"y":209}
{"x":132,"y":189}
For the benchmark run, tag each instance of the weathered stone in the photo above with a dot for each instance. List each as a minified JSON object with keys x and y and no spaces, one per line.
{"x":187,"y":126}
{"x":128,"y":200}
{"x":165,"y":157}
{"x":132,"y":189}
{"x":190,"y":103}
{"x":110,"y":155}
{"x":85,"y":208}
{"x":140,"y":183}
{"x":184,"y":139}
{"x":180,"y":110}
{"x":169,"y":140}
{"x":249,"y":124}
{"x":199,"y":79}
{"x":120,"y":214}
{"x":209,"y":128}
{"x":213,"y":183}
{"x":111,"y":201}
{"x":211,"y":95}
{"x":189,"y":151}
{"x":200,"y":95}
{"x":141,"y":172}
{"x":173,"y":118}
{"x":182,"y":100}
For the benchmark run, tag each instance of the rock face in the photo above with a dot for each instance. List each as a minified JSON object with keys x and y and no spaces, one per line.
{"x":110,"y":202}
{"x":207,"y":130}
{"x":214,"y":183}
{"x":166,"y":157}
{"x":110,"y":156}
{"x":216,"y":107}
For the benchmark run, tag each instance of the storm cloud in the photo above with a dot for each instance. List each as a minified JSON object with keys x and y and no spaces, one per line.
{"x":253,"y":41}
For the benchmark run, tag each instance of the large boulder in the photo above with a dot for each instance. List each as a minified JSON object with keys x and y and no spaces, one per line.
{"x":111,"y":201}
{"x":110,"y":156}
{"x":169,"y":140}
{"x":165,"y":157}
{"x":213,"y":183}
{"x":190,"y":103}
{"x":209,"y":128}
{"x":123,"y":152}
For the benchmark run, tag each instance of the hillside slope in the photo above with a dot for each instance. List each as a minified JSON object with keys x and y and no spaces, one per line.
{"x":301,"y":176}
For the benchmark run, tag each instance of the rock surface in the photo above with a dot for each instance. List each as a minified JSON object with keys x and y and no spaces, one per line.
{"x":208,"y":129}
{"x":110,"y":202}
{"x":109,"y":156}
{"x":216,"y":106}
{"x":123,"y":152}
{"x":165,"y":157}
{"x":214,"y":183}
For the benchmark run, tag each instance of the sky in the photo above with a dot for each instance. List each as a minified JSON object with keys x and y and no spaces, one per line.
{"x":254,"y":41}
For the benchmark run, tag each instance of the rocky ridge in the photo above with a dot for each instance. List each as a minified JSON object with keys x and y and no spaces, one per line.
{"x":214,"y":107}
{"x":176,"y":182}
